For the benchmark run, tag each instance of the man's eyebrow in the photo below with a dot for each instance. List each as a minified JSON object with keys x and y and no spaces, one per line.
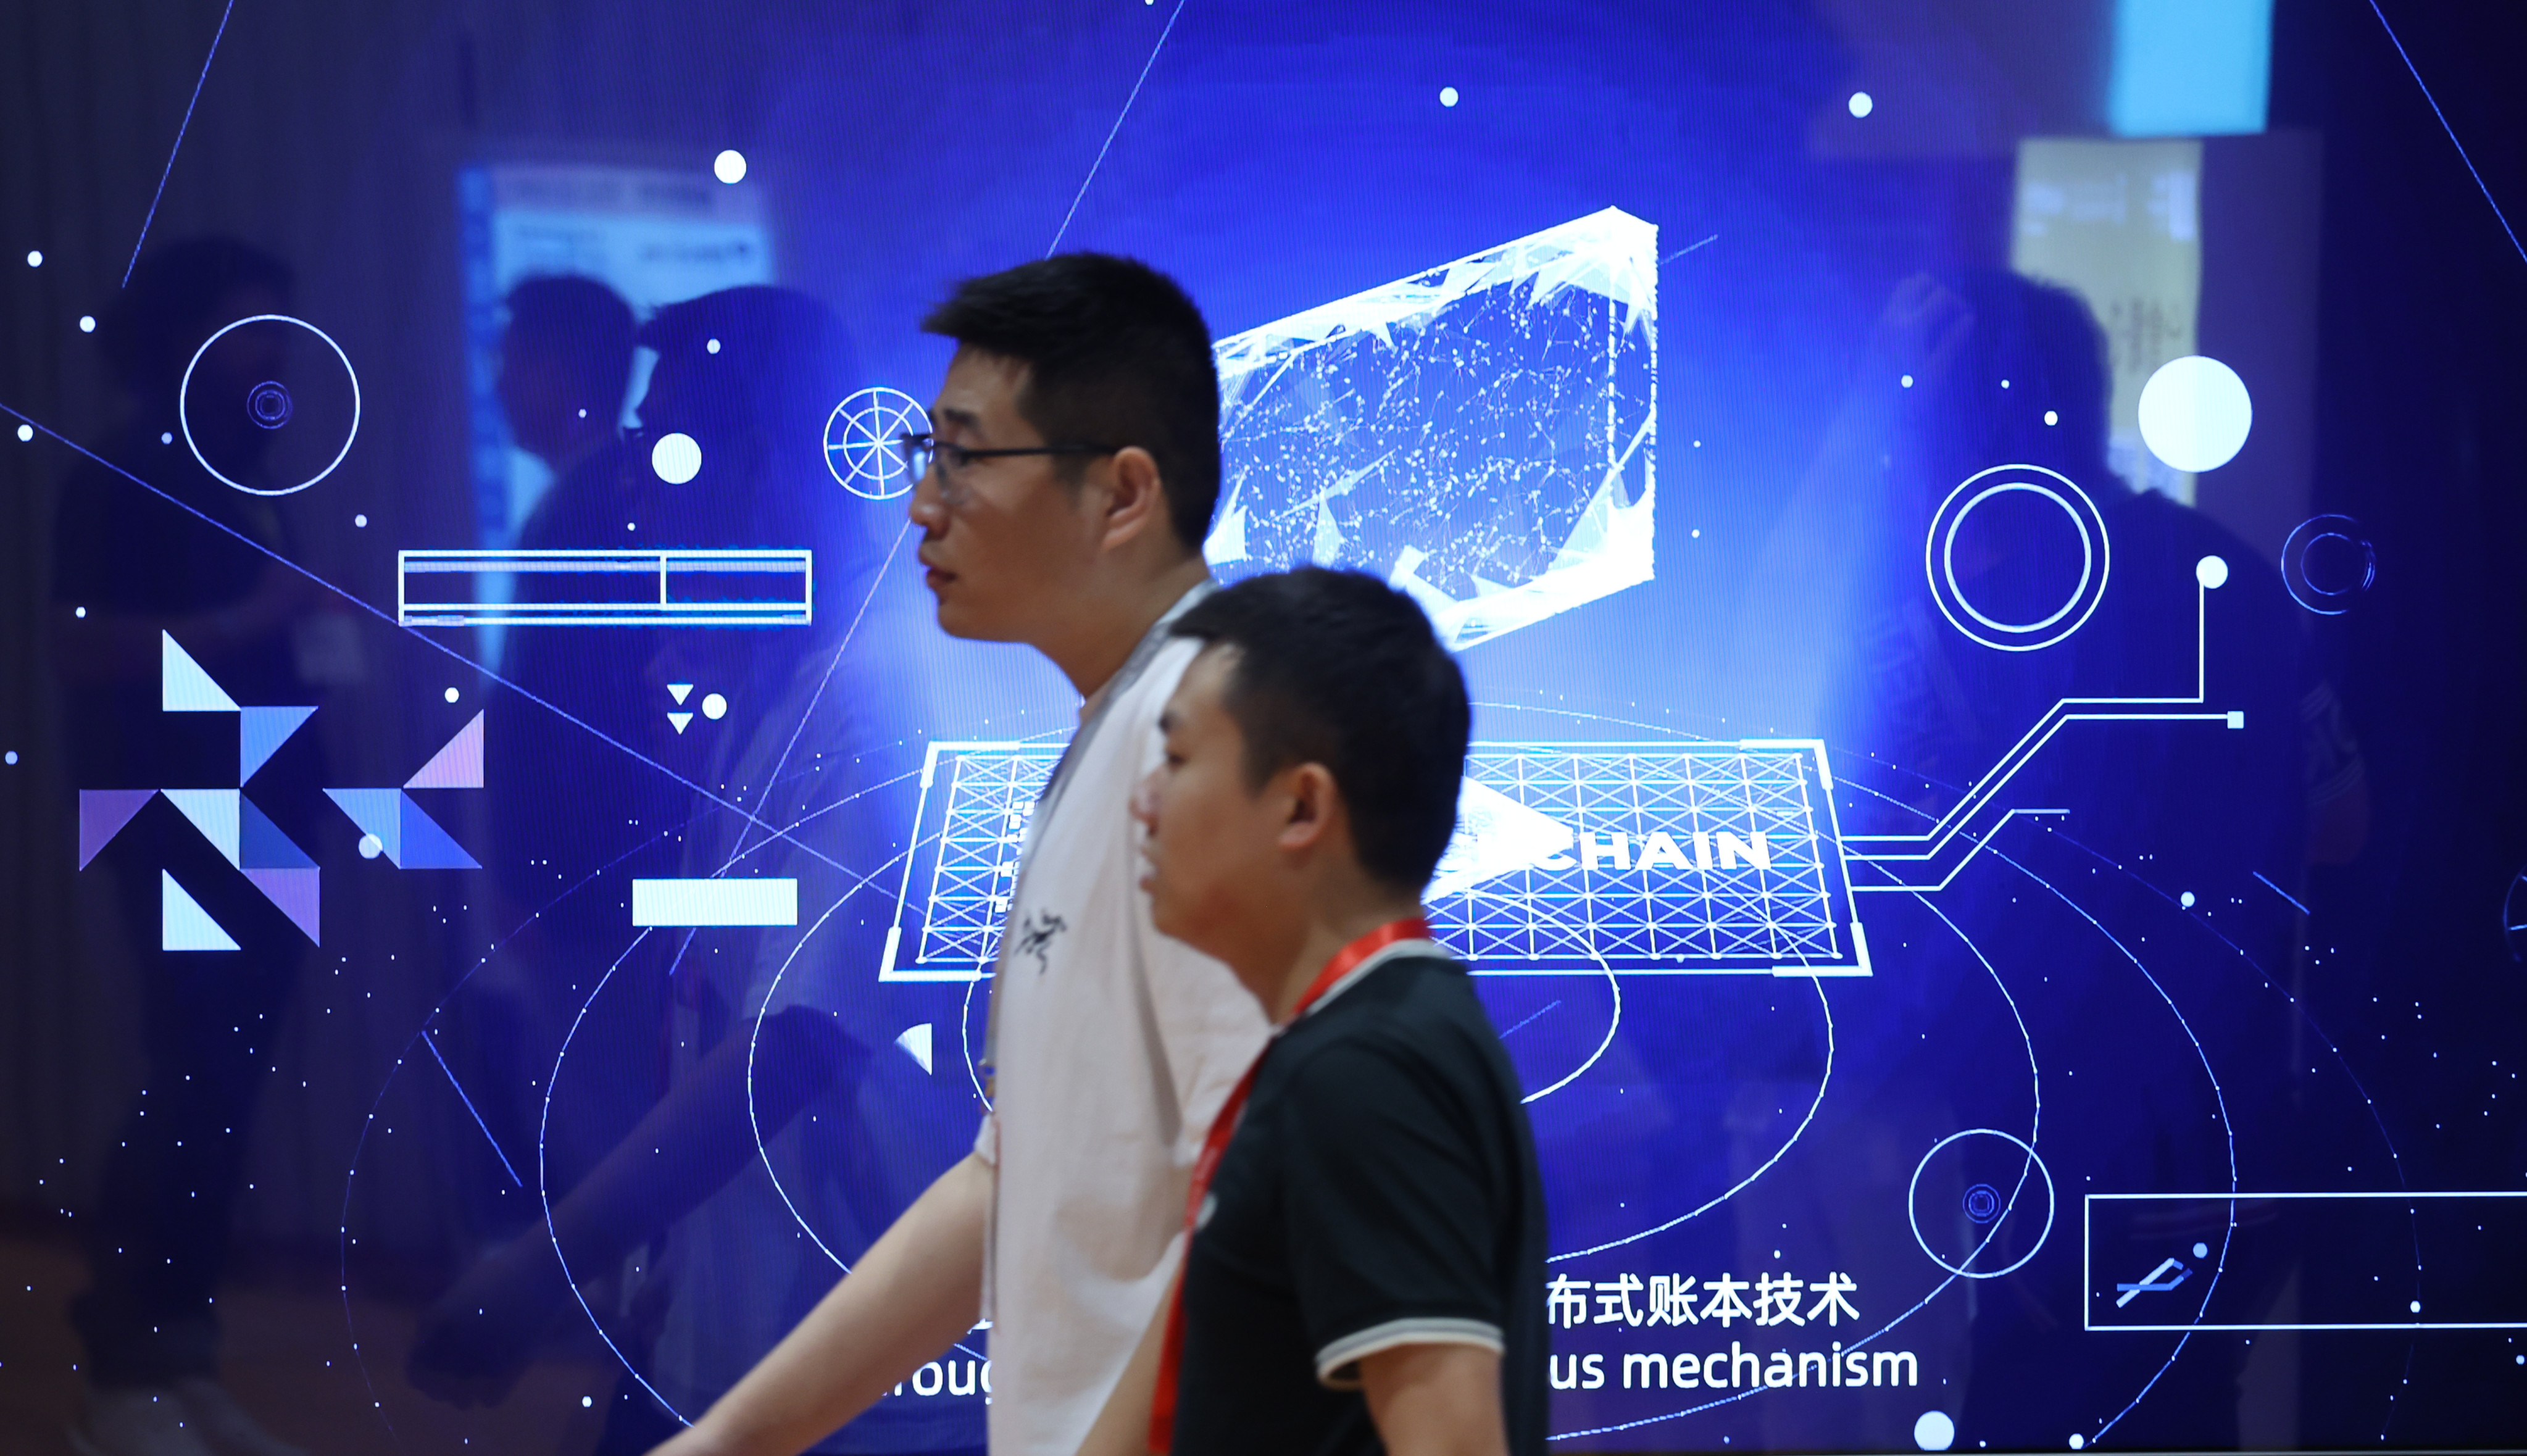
{"x":962,"y":419}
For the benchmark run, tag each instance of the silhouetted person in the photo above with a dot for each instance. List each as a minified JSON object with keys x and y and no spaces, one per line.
{"x":573,"y":820}
{"x":820,"y":726}
{"x":127,"y":566}
{"x":1963,"y":374}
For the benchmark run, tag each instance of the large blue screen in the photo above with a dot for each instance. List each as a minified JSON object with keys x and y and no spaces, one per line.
{"x":1982,"y":540}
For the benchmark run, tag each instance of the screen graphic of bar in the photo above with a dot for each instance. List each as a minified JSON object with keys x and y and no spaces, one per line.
{"x":605,"y":588}
{"x":721,"y":901}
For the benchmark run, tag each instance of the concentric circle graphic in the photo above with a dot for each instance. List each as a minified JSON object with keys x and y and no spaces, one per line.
{"x":270,"y":405}
{"x":1939,"y":557}
{"x":1991,"y":1227}
{"x":2327,"y":562}
{"x":860,"y":442}
{"x":269,"y":397}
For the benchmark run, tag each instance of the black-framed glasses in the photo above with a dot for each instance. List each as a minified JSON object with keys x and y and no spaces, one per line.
{"x":922,"y":452}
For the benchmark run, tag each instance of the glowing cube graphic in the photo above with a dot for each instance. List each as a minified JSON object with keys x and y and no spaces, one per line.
{"x":1481,"y":435}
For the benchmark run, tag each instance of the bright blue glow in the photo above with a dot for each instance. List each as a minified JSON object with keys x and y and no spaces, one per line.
{"x":2191,"y":68}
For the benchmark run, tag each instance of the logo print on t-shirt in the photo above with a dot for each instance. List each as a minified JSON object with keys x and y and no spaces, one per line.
{"x":1035,"y":937}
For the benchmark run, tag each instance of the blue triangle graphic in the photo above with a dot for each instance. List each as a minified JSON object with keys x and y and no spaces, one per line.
{"x":260,"y":842}
{"x":426,"y":846}
{"x":378,"y":811}
{"x":182,"y":685}
{"x":183,"y":923}
{"x":261,"y":732}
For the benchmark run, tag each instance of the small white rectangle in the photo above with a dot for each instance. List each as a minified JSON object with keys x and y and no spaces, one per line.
{"x":714,"y":902}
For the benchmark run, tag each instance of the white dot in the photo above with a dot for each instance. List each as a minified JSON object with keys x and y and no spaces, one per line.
{"x":2185,"y":900}
{"x":452,"y":695}
{"x":34,"y":258}
{"x":587,"y":1401}
{"x":1862,"y":103}
{"x":677,"y":457}
{"x":2415,"y":1306}
{"x":583,"y":414}
{"x":1447,"y":95}
{"x":87,"y":323}
{"x":2004,"y":384}
{"x":371,"y":846}
{"x":360,"y":521}
{"x":711,"y":347}
{"x":166,"y":436}
{"x":729,"y":167}
{"x":2202,"y":1251}
{"x":12,"y":756}
{"x":26,"y":432}
{"x":2077,"y":1442}
{"x":79,"y":612}
{"x":714,"y":707}
{"x":1934,"y":1432}
{"x":2212,"y":572}
{"x":2195,"y":413}
{"x":2051,"y":418}
{"x":1906,"y":380}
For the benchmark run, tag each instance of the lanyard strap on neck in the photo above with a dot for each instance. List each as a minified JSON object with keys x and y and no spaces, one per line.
{"x":1215,"y":1143}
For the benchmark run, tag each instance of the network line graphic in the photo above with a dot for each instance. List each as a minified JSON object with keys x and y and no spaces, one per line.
{"x":1931,"y":859}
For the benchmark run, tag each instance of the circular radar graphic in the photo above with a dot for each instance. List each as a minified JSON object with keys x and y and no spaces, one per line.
{"x":1980,"y":1203}
{"x":2327,"y":562}
{"x":2016,"y":486}
{"x":863,"y":441}
{"x":269,"y":404}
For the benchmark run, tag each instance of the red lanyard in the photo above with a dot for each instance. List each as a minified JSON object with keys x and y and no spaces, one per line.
{"x":1163,"y":1406}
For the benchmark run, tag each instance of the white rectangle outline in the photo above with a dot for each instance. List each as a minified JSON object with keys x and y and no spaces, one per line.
{"x":2088,"y":1284}
{"x":1858,"y":965}
{"x":609,"y":614}
{"x":752,"y":902}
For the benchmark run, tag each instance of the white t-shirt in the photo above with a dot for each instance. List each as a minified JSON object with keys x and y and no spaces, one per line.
{"x":1113,"y":1046}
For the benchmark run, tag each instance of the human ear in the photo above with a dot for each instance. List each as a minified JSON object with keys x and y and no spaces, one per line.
{"x":1136,"y":501}
{"x":1311,"y":795}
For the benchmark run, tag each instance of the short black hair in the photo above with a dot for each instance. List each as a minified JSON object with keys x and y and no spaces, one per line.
{"x":582,"y":323}
{"x":1117,"y":355}
{"x":174,"y":301}
{"x":1338,"y":668}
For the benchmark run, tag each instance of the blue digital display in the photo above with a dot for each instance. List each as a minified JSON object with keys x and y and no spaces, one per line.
{"x":1978,"y":538}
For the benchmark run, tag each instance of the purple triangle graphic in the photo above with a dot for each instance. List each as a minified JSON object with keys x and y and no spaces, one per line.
{"x":426,"y":846}
{"x":102,"y":814}
{"x":294,"y":892}
{"x":262,"y":845}
{"x":458,"y":765}
{"x":261,"y":731}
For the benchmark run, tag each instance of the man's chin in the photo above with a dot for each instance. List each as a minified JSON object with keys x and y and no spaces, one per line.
{"x":960,"y":621}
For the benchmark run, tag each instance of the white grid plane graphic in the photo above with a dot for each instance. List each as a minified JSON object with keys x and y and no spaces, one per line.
{"x":1639,"y":858}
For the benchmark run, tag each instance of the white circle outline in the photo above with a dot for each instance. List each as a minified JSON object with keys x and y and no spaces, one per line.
{"x":2098,"y":558}
{"x":186,"y":384}
{"x":2088,"y":556}
{"x":876,"y":394}
{"x":2052,"y":1204}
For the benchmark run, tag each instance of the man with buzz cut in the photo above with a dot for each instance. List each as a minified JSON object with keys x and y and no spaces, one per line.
{"x":1365,"y":1271}
{"x":1063,"y":500}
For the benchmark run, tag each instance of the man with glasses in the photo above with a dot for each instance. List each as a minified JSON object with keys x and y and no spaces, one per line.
{"x":1064,"y":500}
